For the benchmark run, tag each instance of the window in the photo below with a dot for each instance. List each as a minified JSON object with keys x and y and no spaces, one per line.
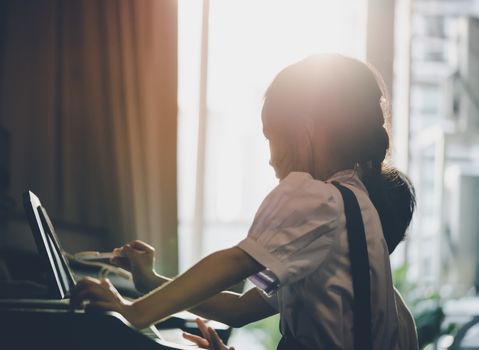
{"x":248,"y":43}
{"x":443,"y":144}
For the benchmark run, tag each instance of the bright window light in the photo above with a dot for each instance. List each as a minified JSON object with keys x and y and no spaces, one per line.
{"x":250,"y":41}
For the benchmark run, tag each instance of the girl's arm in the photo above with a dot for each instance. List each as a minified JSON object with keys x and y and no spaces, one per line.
{"x":227,"y":307}
{"x":235,"y":310}
{"x":207,"y":278}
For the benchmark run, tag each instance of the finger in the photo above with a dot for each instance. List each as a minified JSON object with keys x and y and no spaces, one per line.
{"x":133,"y":254}
{"x":216,"y":342}
{"x":196,"y":339}
{"x":115,"y":260}
{"x":88,"y":280}
{"x":89,"y":294}
{"x":106,"y":282}
{"x":203,"y":329}
{"x":78,"y":301}
{"x":109,"y":289}
{"x":124,"y":263}
{"x":98,"y":290}
{"x":93,"y":306}
{"x":140,"y":245}
{"x":83,"y":284}
{"x":129,"y":248}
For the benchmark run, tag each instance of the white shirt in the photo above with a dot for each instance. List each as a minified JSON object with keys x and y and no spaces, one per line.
{"x":299,"y":235}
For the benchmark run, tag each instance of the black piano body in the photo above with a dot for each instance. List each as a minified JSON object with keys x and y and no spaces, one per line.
{"x":60,"y":328}
{"x":65,"y":329}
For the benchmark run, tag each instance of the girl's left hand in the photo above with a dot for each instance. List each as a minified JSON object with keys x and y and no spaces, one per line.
{"x":101,"y":295}
{"x":211,"y":339}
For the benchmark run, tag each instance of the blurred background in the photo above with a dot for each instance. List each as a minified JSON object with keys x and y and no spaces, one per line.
{"x":141,"y":119}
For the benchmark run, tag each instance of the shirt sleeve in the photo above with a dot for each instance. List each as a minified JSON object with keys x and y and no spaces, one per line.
{"x":293,"y":230}
{"x":271,"y":299}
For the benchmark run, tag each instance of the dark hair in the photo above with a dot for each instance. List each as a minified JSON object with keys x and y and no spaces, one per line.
{"x":349,"y":98}
{"x":394,"y":198}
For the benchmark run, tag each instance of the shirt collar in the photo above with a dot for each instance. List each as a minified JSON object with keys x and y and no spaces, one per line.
{"x":348,"y":176}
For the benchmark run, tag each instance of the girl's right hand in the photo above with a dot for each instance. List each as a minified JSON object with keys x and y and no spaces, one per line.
{"x":138,"y":258}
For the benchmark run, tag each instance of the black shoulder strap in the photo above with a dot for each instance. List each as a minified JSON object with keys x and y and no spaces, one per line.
{"x":358,"y":255}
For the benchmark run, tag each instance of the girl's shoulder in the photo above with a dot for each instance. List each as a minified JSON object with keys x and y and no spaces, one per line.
{"x":301,"y":186}
{"x":300,"y":195}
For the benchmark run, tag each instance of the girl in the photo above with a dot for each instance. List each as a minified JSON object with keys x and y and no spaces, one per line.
{"x":401,"y":193}
{"x":324,"y":120}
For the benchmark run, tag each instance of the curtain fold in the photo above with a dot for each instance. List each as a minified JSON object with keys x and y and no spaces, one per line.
{"x":88,"y":92}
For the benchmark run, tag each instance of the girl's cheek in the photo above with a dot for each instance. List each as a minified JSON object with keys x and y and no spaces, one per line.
{"x":282,"y":167}
{"x":275,"y":167}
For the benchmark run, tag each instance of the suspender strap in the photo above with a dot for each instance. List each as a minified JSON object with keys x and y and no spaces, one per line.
{"x":358,"y":255}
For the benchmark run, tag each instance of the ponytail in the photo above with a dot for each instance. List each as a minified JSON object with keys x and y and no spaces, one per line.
{"x":390,"y":191}
{"x":394,"y":198}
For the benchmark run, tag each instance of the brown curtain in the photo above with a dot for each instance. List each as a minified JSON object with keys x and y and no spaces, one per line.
{"x":88,"y":93}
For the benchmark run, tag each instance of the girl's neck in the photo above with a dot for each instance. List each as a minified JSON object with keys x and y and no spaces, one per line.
{"x":325,"y":172}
